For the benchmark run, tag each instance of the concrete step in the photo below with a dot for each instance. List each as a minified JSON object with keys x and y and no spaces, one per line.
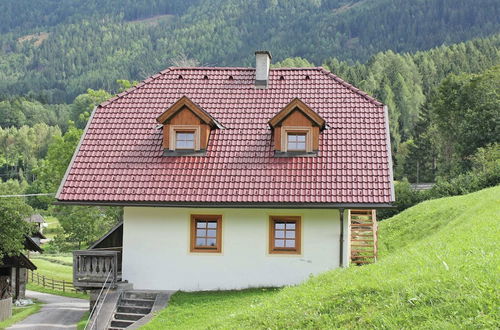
{"x":121,"y":323}
{"x":133,"y":309}
{"x":124,"y":286}
{"x":139,"y":295}
{"x":128,"y":316}
{"x":137,"y":302}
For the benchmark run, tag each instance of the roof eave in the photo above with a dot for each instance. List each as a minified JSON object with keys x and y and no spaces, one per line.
{"x":252,"y":205}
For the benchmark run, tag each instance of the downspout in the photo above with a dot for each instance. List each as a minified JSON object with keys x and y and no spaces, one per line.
{"x":341,"y":259}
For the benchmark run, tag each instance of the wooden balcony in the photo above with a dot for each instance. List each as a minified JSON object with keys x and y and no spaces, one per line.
{"x":95,"y":268}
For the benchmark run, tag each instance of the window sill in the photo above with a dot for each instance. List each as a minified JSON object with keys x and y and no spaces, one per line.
{"x":200,"y":251}
{"x":284,"y":252}
{"x":278,"y":153}
{"x":175,"y":153}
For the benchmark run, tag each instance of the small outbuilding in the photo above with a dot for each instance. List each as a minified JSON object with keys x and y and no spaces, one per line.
{"x":14,"y":271}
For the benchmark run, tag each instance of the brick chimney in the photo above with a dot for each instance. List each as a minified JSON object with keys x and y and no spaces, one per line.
{"x":262,"y":64}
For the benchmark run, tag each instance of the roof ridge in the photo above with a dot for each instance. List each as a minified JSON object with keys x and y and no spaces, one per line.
{"x":298,"y":69}
{"x":344,"y":83}
{"x":133,"y":88}
{"x":210,"y":68}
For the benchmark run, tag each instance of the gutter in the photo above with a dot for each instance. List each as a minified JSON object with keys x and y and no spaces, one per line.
{"x":251,"y":205}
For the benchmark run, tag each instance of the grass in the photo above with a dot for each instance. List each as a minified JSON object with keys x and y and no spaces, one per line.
{"x":34,"y":287}
{"x":192,"y":310}
{"x":65,"y":259}
{"x":19,"y":314}
{"x":439,"y":269}
{"x":53,"y":227}
{"x":57,"y":267}
{"x":53,"y":270}
{"x":83,"y":321}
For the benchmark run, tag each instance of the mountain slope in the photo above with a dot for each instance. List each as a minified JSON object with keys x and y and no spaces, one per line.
{"x":439,"y":270}
{"x":60,"y":48}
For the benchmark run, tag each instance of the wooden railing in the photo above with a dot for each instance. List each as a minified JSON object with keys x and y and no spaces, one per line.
{"x":50,"y":283}
{"x":91,"y":268}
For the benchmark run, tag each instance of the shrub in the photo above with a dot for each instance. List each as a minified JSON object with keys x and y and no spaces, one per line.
{"x":485,"y":173}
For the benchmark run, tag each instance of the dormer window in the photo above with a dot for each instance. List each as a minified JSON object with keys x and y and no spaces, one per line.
{"x":186,"y":128}
{"x":184,"y":140}
{"x":296,"y":141}
{"x":296,"y":130}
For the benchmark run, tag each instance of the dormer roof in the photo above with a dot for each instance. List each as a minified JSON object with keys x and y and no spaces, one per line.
{"x":185,"y":102}
{"x":294,"y":105}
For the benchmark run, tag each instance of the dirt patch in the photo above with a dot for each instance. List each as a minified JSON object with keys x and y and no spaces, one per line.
{"x":347,"y":6}
{"x":154,"y":20}
{"x":37,"y":38}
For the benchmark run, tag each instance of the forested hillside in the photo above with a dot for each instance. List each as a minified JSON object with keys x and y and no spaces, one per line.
{"x":59,"y":48}
{"x":437,"y":120}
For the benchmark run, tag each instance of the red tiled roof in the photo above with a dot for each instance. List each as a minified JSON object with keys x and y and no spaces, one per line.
{"x":120,"y":157}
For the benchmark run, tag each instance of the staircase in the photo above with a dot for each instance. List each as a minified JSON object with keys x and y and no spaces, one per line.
{"x":363,"y":229}
{"x":131,"y":307}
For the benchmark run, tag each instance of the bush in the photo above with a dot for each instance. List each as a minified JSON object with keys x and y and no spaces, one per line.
{"x":485,"y":173}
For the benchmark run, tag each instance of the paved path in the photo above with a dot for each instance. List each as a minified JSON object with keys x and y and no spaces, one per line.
{"x":57,"y":312}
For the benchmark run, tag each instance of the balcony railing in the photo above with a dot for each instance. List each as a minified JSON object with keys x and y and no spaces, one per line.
{"x":92,"y":267}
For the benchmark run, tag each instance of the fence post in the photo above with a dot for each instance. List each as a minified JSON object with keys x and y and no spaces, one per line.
{"x":43,"y":280}
{"x":52,"y":284}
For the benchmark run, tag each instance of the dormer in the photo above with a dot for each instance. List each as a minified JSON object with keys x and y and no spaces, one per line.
{"x":296,"y":130}
{"x":186,"y":128}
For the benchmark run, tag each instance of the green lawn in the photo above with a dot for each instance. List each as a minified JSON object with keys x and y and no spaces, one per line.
{"x":79,"y":294}
{"x":53,"y":227}
{"x":58,"y":267}
{"x":439,"y":269}
{"x":62,"y":259}
{"x":53,"y":270}
{"x":19,"y":314}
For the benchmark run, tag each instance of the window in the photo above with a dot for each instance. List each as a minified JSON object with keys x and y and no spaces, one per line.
{"x":284,"y":234}
{"x":206,"y":233}
{"x":184,"y":140}
{"x":296,"y":141}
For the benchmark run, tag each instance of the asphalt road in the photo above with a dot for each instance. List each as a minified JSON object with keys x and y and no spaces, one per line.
{"x":57,"y":313}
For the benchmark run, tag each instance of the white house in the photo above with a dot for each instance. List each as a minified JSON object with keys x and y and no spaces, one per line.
{"x":234,"y":177}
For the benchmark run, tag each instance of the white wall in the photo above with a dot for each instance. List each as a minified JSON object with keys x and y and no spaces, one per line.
{"x":156,"y":249}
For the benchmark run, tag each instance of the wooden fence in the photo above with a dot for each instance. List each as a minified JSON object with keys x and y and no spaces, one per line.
{"x":5,"y":308}
{"x":50,"y":283}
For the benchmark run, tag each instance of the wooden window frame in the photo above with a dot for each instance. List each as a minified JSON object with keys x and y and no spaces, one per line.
{"x":298,"y":234}
{"x":174,"y":129}
{"x":285,"y":130}
{"x":211,"y":217}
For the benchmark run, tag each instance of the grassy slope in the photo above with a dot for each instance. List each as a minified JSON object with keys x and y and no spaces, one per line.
{"x":439,"y":269}
{"x":53,"y":227}
{"x":53,"y":270}
{"x":51,"y":267}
